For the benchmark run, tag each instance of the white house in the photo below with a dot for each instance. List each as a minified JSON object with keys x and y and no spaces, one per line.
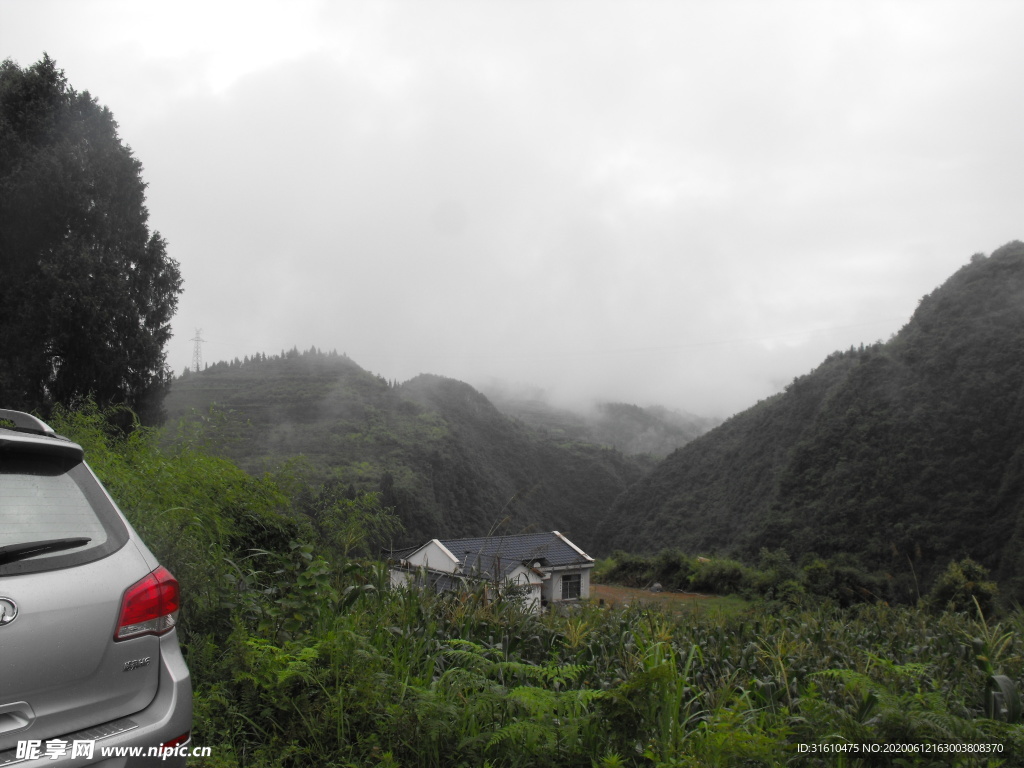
{"x":549,"y":567}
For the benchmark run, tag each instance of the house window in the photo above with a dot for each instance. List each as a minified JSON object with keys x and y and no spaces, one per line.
{"x":571,"y":586}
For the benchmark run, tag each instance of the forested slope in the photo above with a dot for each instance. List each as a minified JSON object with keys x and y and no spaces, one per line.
{"x":441,"y":455}
{"x":904,"y":454}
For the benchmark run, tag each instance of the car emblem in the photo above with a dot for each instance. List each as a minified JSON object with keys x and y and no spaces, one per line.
{"x":8,"y":611}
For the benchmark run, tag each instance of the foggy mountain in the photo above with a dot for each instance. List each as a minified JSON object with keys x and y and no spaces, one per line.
{"x":903,"y":454}
{"x":442,"y":455}
{"x":634,"y":430}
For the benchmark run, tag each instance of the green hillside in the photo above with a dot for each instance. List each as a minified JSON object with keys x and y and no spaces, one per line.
{"x":903,"y":455}
{"x":440,"y":453}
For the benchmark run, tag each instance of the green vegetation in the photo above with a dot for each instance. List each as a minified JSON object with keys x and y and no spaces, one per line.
{"x":302,"y":655}
{"x":964,"y":586}
{"x":87,"y":292}
{"x":898,"y":456}
{"x":437,"y":451}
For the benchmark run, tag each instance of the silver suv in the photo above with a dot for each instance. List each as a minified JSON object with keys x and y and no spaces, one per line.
{"x":90,"y":668}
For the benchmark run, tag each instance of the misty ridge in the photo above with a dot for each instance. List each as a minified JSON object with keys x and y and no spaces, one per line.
{"x":447,"y":458}
{"x":632,"y":429}
{"x":898,"y":455}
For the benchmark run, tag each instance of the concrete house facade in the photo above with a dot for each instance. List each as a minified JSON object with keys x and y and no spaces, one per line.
{"x":546,"y":566}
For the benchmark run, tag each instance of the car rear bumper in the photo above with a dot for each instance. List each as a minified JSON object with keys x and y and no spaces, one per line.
{"x":127,"y":741}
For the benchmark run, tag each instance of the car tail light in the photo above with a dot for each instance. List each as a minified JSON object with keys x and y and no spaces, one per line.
{"x":177,"y":741}
{"x":149,"y":606}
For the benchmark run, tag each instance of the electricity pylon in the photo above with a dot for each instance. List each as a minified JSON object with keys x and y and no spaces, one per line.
{"x":197,"y":350}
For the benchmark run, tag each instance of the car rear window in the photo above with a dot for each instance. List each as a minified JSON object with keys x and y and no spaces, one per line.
{"x":43,"y":498}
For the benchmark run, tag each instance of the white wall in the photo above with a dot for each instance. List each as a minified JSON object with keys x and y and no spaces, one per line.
{"x":433,"y":555}
{"x":552,"y":589}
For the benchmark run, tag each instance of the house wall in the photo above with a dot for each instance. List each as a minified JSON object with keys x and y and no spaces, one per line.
{"x":526,"y":577}
{"x":552,"y":589}
{"x":399,"y":578}
{"x":433,"y":555}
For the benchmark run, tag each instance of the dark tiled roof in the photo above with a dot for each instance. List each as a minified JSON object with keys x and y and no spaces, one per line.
{"x":497,"y":555}
{"x":441,"y":581}
{"x":399,"y":554}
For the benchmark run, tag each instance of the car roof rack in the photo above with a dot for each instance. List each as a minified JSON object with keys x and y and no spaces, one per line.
{"x":26,"y":422}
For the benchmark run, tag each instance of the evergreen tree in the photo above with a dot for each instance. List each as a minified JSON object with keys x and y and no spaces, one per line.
{"x":87,"y":292}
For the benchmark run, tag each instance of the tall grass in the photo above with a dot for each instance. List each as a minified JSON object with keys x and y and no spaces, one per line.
{"x":409,"y":678}
{"x":303,"y":657}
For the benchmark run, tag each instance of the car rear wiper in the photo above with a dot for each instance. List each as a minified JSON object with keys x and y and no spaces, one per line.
{"x":25,"y":550}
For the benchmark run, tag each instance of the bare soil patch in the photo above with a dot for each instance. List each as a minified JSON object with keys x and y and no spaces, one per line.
{"x":613,"y":595}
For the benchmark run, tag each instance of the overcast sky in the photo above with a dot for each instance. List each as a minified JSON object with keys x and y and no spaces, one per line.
{"x":677,"y":203}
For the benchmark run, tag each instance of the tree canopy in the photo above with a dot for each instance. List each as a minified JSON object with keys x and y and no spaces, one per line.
{"x":87,"y":292}
{"x":906,"y":454}
{"x":441,"y":456}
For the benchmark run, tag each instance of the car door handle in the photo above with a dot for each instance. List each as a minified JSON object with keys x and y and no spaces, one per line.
{"x":15,"y":716}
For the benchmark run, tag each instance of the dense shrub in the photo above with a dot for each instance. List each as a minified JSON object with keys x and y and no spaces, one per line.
{"x":301,"y":657}
{"x":630,"y":570}
{"x":721,"y":576}
{"x":776,"y":577}
{"x":964,"y":586}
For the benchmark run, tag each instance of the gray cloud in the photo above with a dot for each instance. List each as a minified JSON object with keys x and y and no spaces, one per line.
{"x":683,"y":203}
